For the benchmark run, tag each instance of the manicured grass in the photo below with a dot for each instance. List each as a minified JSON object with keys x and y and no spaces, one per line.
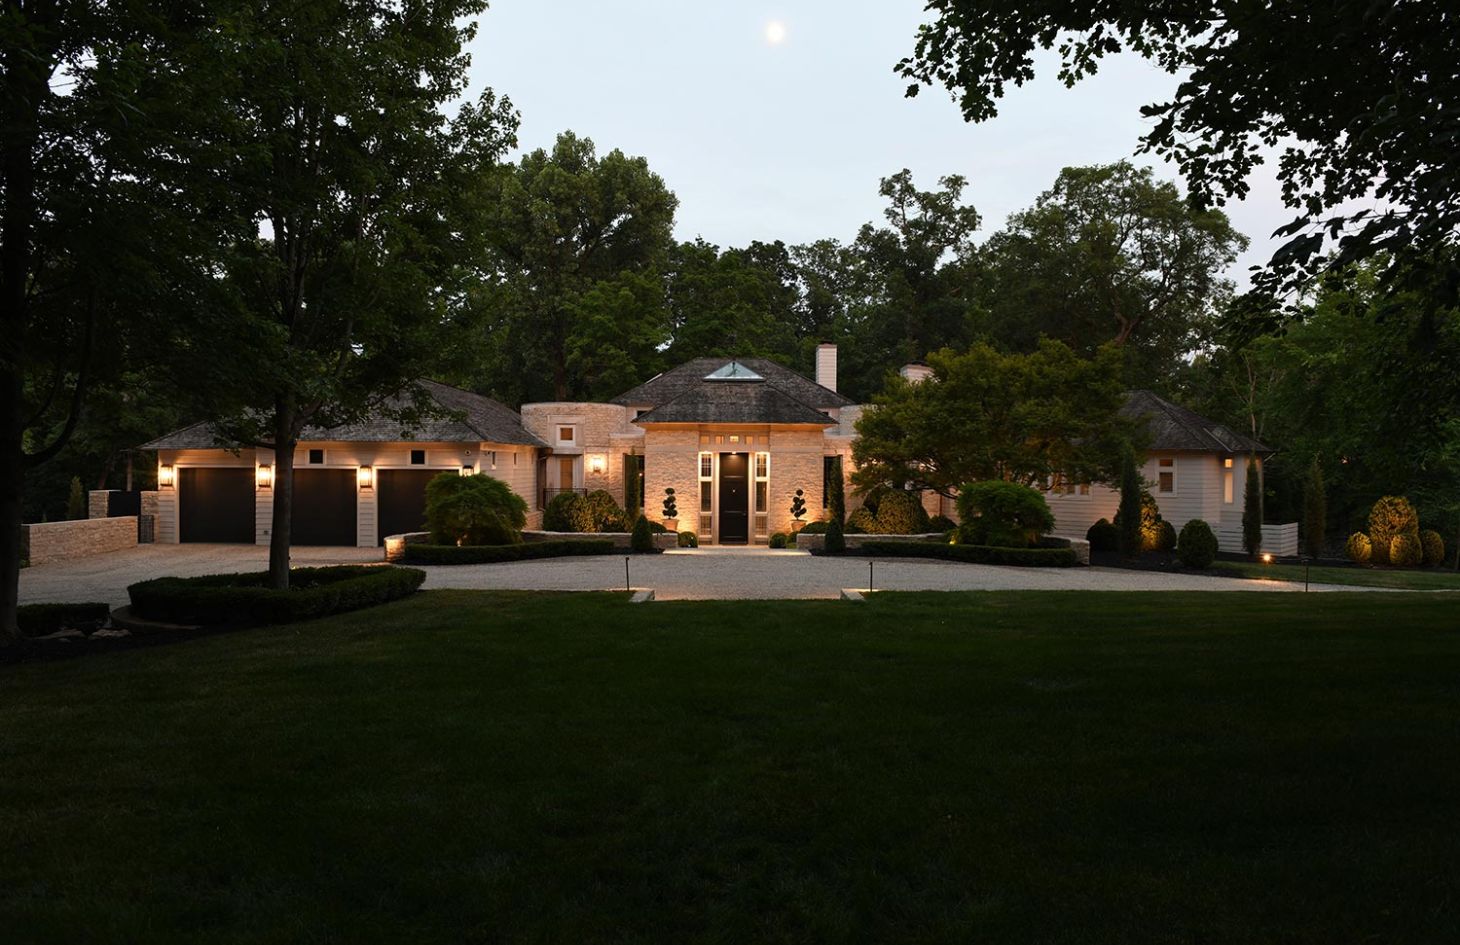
{"x":1436,"y":579}
{"x":472,"y":767}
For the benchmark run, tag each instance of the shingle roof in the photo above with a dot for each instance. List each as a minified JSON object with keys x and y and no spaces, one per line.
{"x":471,"y":418}
{"x":1173,"y":427}
{"x":673,"y":383}
{"x":735,"y":402}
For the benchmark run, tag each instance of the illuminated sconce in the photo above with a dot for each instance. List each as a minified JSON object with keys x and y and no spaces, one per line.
{"x":365,"y":476}
{"x":597,"y":463}
{"x":165,"y":476}
{"x":468,"y":469}
{"x":264,"y":476}
{"x":1267,"y":559}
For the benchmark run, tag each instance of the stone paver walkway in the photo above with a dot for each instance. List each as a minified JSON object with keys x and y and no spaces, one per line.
{"x":677,"y":575}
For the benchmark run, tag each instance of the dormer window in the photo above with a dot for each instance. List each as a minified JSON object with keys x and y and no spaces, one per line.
{"x":734,"y":371}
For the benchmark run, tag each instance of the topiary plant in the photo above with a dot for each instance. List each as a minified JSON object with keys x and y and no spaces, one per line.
{"x":473,"y":510}
{"x":836,"y":542}
{"x":671,"y":508}
{"x":900,"y":513}
{"x":778,"y":540}
{"x":1003,"y":514}
{"x":1358,"y":548}
{"x":1196,"y":546}
{"x":1252,"y":509}
{"x":689,"y":540}
{"x":1434,"y":547}
{"x":1405,"y":551}
{"x":1127,"y":518}
{"x":568,"y":512}
{"x":798,"y":506}
{"x":1389,"y":518}
{"x":642,"y":538}
{"x":1103,"y":536}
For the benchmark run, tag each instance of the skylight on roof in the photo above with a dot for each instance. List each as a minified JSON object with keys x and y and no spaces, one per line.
{"x":734,"y":371}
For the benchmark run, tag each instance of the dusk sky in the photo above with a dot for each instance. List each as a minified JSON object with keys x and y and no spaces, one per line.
{"x":776,"y":120}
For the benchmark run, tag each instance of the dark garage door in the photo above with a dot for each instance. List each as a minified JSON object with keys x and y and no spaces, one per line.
{"x":324,"y":507}
{"x":215,"y":505}
{"x":401,"y":494}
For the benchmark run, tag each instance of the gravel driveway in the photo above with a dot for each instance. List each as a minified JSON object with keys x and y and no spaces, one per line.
{"x":675,"y":575}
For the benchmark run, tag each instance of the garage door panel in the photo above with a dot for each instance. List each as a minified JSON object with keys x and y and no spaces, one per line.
{"x":400,"y":495}
{"x":324,"y":507}
{"x":216,"y":505}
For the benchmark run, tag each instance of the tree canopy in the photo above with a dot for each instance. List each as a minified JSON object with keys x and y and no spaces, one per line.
{"x":986,"y":414}
{"x":1358,"y":97}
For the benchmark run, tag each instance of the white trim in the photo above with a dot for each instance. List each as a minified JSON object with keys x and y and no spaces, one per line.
{"x":1161,"y":466}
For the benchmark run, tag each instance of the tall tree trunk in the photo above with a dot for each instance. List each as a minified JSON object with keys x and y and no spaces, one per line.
{"x":285,"y":439}
{"x":12,"y":487}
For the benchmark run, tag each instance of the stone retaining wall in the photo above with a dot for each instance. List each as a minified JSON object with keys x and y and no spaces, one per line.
{"x":55,"y":541}
{"x":663,"y":541}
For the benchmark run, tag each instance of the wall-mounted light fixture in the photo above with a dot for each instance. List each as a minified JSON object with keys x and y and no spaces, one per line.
{"x":467,"y":469}
{"x":1227,"y":463}
{"x":165,"y":476}
{"x":365,"y":476}
{"x":264,"y":476}
{"x":597,"y":463}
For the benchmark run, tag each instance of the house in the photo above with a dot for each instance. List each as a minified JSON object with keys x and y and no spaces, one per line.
{"x":1195,"y":468}
{"x":735,"y":438}
{"x":353,"y":484}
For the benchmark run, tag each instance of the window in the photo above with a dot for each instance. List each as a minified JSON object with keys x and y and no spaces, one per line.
{"x":492,"y":458}
{"x":316,"y":457}
{"x":418,"y":457}
{"x":707,"y":495}
{"x":1059,"y":484}
{"x":1166,"y":476}
{"x":762,"y":494}
{"x":567,"y":434}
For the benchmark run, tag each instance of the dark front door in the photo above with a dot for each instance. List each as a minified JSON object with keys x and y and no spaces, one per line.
{"x":215,"y":505}
{"x":324,"y":507}
{"x":401,"y":494}
{"x":734,"y":498}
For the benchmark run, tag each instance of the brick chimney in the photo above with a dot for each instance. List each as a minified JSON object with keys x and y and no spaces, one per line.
{"x":915,"y":371}
{"x":826,"y":366}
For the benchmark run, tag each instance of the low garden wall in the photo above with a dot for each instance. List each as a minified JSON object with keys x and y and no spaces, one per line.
{"x":622,"y":540}
{"x":56,"y":541}
{"x":805,"y":542}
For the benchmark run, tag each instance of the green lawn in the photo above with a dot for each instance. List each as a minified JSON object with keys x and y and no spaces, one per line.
{"x":472,"y":767}
{"x":1409,"y":580}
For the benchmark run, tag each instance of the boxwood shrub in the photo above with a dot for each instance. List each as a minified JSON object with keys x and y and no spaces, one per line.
{"x":38,"y":620}
{"x":497,"y":554}
{"x":1050,"y":553}
{"x":247,"y":598}
{"x":1197,"y":546}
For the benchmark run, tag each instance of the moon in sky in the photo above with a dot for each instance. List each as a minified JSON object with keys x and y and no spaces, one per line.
{"x":775,"y":32}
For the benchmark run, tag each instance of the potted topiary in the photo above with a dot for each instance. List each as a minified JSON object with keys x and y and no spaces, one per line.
{"x":671,"y":511}
{"x":798,"y":509}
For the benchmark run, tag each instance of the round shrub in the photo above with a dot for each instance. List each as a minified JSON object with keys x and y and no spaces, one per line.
{"x":901,"y":513}
{"x":473,"y":510}
{"x":1151,"y":522}
{"x":861,"y":522}
{"x":1003,"y":514}
{"x":941,"y":524}
{"x":1358,"y":548}
{"x":567,"y":512}
{"x":607,"y":515}
{"x":815,"y":528}
{"x":1103,"y":536}
{"x":641,"y":539}
{"x":1166,"y":536}
{"x":1405,"y":551}
{"x":1389,"y":518}
{"x":1196,"y":546}
{"x":778,"y":540}
{"x":1433,"y":546}
{"x":689,"y":540}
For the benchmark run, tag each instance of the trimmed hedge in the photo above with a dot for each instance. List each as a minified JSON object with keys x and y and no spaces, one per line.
{"x":1358,"y":548}
{"x":1103,"y":536}
{"x":1050,"y":555}
{"x":247,"y":598}
{"x":38,"y":620}
{"x":1197,"y":545}
{"x":497,"y":554}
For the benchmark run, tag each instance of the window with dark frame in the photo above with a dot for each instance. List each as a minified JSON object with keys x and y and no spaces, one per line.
{"x":418,"y":457}
{"x":316,"y":457}
{"x":828,"y":470}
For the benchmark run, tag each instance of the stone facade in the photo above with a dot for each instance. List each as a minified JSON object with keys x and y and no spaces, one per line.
{"x":55,"y":541}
